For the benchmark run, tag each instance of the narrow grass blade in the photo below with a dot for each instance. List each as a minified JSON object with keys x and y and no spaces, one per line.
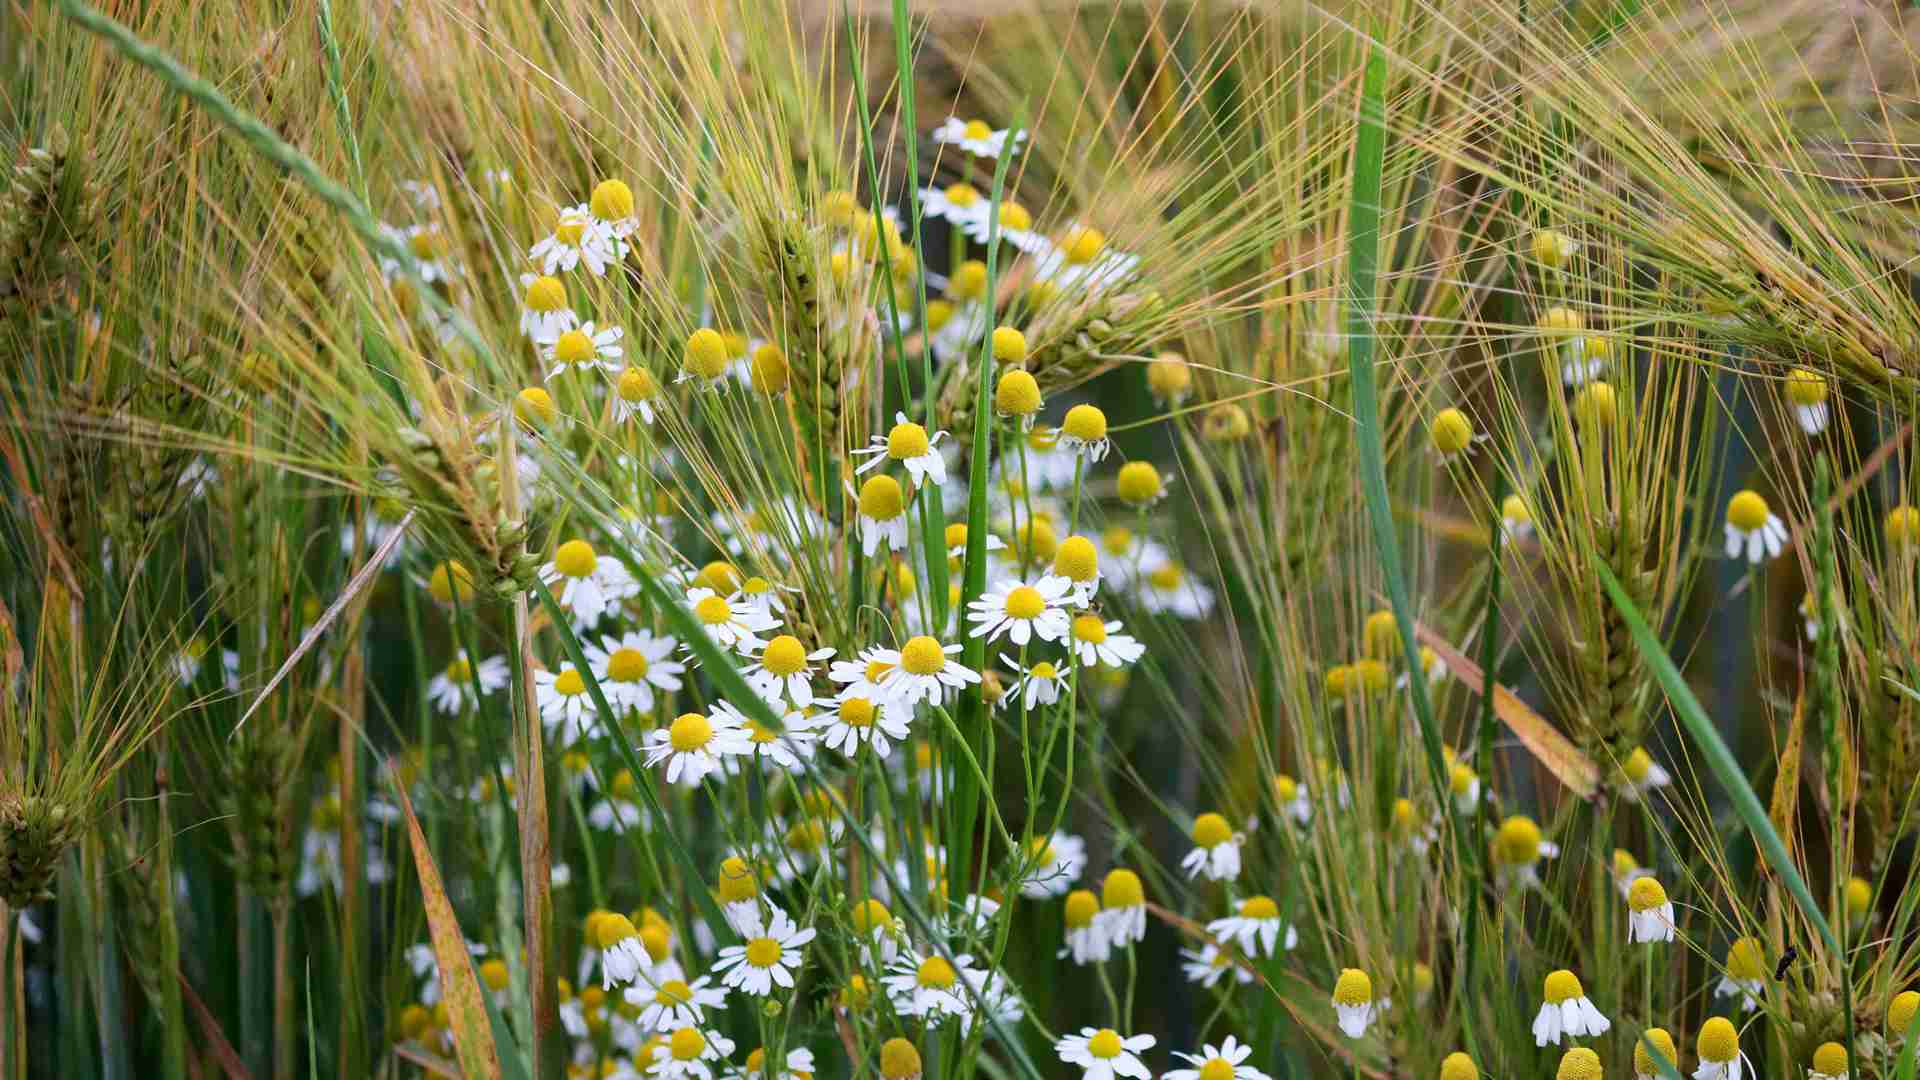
{"x":1720,"y":759}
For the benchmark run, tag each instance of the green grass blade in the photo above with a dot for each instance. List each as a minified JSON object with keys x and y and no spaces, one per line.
{"x":1720,"y":759}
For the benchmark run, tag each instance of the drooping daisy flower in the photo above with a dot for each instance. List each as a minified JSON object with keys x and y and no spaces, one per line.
{"x":1208,"y":964}
{"x":612,"y":204}
{"x":583,"y":348}
{"x":1754,"y":532}
{"x":1464,"y":784}
{"x":635,"y":391}
{"x":1718,"y":1045}
{"x":1746,"y":973}
{"x":632,"y":667}
{"x":1566,"y":1010}
{"x":770,"y":956}
{"x":1226,"y":1062}
{"x":1639,"y":774}
{"x":544,"y":311}
{"x":565,"y":706}
{"x":1584,"y":359}
{"x":1016,"y":395}
{"x":1353,"y":1002}
{"x":922,"y":670}
{"x":1022,"y":611}
{"x":461,"y":683}
{"x":908,"y":444}
{"x":692,"y":1052}
{"x":1168,"y":589}
{"x":883,"y":515}
{"x":1579,"y":1063}
{"x":1040,"y":684}
{"x":1518,"y":849}
{"x":931,"y":987}
{"x":1645,"y":1067}
{"x":622,"y":954}
{"x":1104,"y":1053}
{"x":1084,"y":432}
{"x":1254,"y":928}
{"x":784,"y":671}
{"x":1829,"y":1062}
{"x":1052,"y":866}
{"x":1807,"y":394}
{"x":694,"y":746}
{"x":1650,"y":913}
{"x":730,"y":621}
{"x":977,"y":138}
{"x":1123,"y":908}
{"x":669,"y":1003}
{"x":1626,"y":871}
{"x":877,"y":932}
{"x":706,"y":358}
{"x":1216,"y":849}
{"x":1081,"y":259}
{"x":859,"y":720}
{"x":1516,"y":518}
{"x":1086,"y":939}
{"x":1291,"y":797}
{"x":591,"y":584}
{"x":799,"y":1066}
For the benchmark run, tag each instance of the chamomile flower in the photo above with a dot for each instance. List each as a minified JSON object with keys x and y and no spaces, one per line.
{"x":1552,"y":248}
{"x":770,"y":955}
{"x":1123,"y":908}
{"x":1052,"y":865}
{"x":460,"y":684}
{"x":859,"y":720}
{"x":1104,"y":1054}
{"x":1086,"y":939}
{"x":1649,"y":912}
{"x":1518,"y":849}
{"x":799,"y":1066}
{"x":790,"y":748}
{"x":544,"y":311}
{"x":932,"y":988}
{"x":1291,"y":797}
{"x":908,"y":444}
{"x":1806,"y":392}
{"x":730,"y":620}
{"x":1645,"y":1067}
{"x":877,"y":932}
{"x":883,"y":515}
{"x":784,"y":670}
{"x":1900,"y":1014}
{"x":956,"y":327}
{"x":1829,"y":1062}
{"x":861,"y":677}
{"x":922,"y":670}
{"x":1566,"y":1010}
{"x":623,"y":956}
{"x":1015,"y":227}
{"x":565,"y":706}
{"x":583,"y":348}
{"x":958,"y":203}
{"x":1084,"y":433}
{"x":1255,"y":927}
{"x":1023,"y":611}
{"x":635,"y":392}
{"x":632,"y":667}
{"x":1516,"y":518}
{"x":1353,"y":1002}
{"x":578,"y":238}
{"x":691,"y":1052}
{"x":706,"y":358}
{"x":1216,"y":849}
{"x":1584,"y":359}
{"x":1168,"y":589}
{"x":977,"y":138}
{"x":612,"y":205}
{"x":1016,"y":394}
{"x":1223,"y":1062}
{"x":694,"y":746}
{"x":1209,"y":963}
{"x":1095,"y":642}
{"x":1579,"y":1063}
{"x":1040,"y":684}
{"x":1464,"y":785}
{"x":1754,"y":531}
{"x":1746,"y":973}
{"x":591,"y":584}
{"x":669,"y":1002}
{"x":898,"y":1059}
{"x":1451,"y":434}
{"x":1718,"y":1045}
{"x":1639,"y":774}
{"x":1082,"y":259}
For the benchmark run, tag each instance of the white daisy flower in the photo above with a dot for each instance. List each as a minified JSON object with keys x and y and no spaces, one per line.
{"x":1807,"y":394}
{"x":1518,"y":849}
{"x":1292,"y":798}
{"x":883,"y":515}
{"x":1084,"y":433}
{"x":460,"y":684}
{"x":1353,"y":1002}
{"x":1040,"y":684}
{"x":860,"y":720}
{"x":784,"y":671}
{"x":978,"y":139}
{"x":770,"y":956}
{"x":958,"y":203}
{"x":922,"y":670}
{"x":632,"y":667}
{"x":1754,"y":532}
{"x":1746,"y":974}
{"x":790,"y":748}
{"x":1167,"y":588}
{"x":565,"y":706}
{"x":694,"y":746}
{"x":622,"y":955}
{"x":1022,"y":611}
{"x":800,"y":1064}
{"x":578,"y":238}
{"x":691,"y":1052}
{"x":544,"y":311}
{"x":612,"y":205}
{"x":1104,"y":1054}
{"x":584,"y":348}
{"x":1640,"y":775}
{"x":1094,"y":641}
{"x":1255,"y":928}
{"x":931,"y":988}
{"x":1083,"y":260}
{"x":1719,"y":1047}
{"x":1123,"y":908}
{"x":591,"y":584}
{"x":1566,"y":1011}
{"x":1222,"y":1062}
{"x":862,"y":677}
{"x":956,"y":328}
{"x":635,"y":392}
{"x":1649,"y":912}
{"x":620,"y":810}
{"x":730,"y":621}
{"x":1086,"y":933}
{"x":909,"y":444}
{"x":1584,"y":359}
{"x":1209,"y":963}
{"x":670,"y":1002}
{"x":1516,"y":518}
{"x":1053,"y":865}
{"x":1216,"y":849}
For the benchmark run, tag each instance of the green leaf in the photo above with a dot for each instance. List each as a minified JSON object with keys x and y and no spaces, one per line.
{"x":1720,"y":759}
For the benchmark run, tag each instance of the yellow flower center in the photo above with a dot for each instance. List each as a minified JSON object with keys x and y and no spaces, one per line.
{"x":1083,"y":244}
{"x":705,"y":354}
{"x":569,"y":683}
{"x":1211,"y":830}
{"x":1645,"y":894}
{"x":1118,"y":540}
{"x":690,"y":731}
{"x":575,"y":559}
{"x":1081,"y":907}
{"x":713,"y":610}
{"x":784,"y":656}
{"x":1462,"y":779}
{"x":1380,"y":635}
{"x":737,"y":880}
{"x":939,"y":314}
{"x":936,"y":973}
{"x":1579,"y":1063}
{"x":1014,"y":217}
{"x":1353,"y":987}
{"x":673,"y":992}
{"x":1045,"y":670}
{"x":626,"y":665}
{"x":612,"y":200}
{"x":494,"y":974}
{"x":906,"y":440}
{"x":1025,"y":602}
{"x":1643,"y":1061}
{"x":1518,"y":841}
{"x":877,"y":670}
{"x":1216,"y":1069}
{"x":1562,"y":986}
{"x":1900,"y":1014}
{"x":898,"y":1059}
{"x":970,"y":281}
{"x":687,"y":1044}
{"x":460,"y":671}
{"x":1624,"y":863}
{"x":881,"y":498}
{"x":1560,"y":320}
{"x":1514,"y":509}
{"x":868,"y":914}
{"x":1718,"y":1040}
{"x":610,"y":929}
{"x":546,"y":294}
{"x":1259,"y":907}
{"x":1596,"y":405}
{"x":1169,"y":375}
{"x":657,"y":940}
{"x":1806,"y":387}
{"x":1166,"y":577}
{"x":624,"y":787}
{"x":763,"y":952}
{"x":858,"y":712}
{"x":1747,"y":511}
{"x":977,"y":129}
{"x":1138,"y":482}
{"x":1105,"y":1044}
{"x":769,"y":369}
{"x":1451,"y":432}
{"x":1637,"y":765}
{"x":1017,"y":394}
{"x":1086,"y":423}
{"x":427,"y":244}
{"x":922,"y":656}
{"x":1903,"y":526}
{"x":1745,"y":960}
{"x":1830,"y":1059}
{"x":569,"y":231}
{"x":1122,"y":889}
{"x":1859,"y":897}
